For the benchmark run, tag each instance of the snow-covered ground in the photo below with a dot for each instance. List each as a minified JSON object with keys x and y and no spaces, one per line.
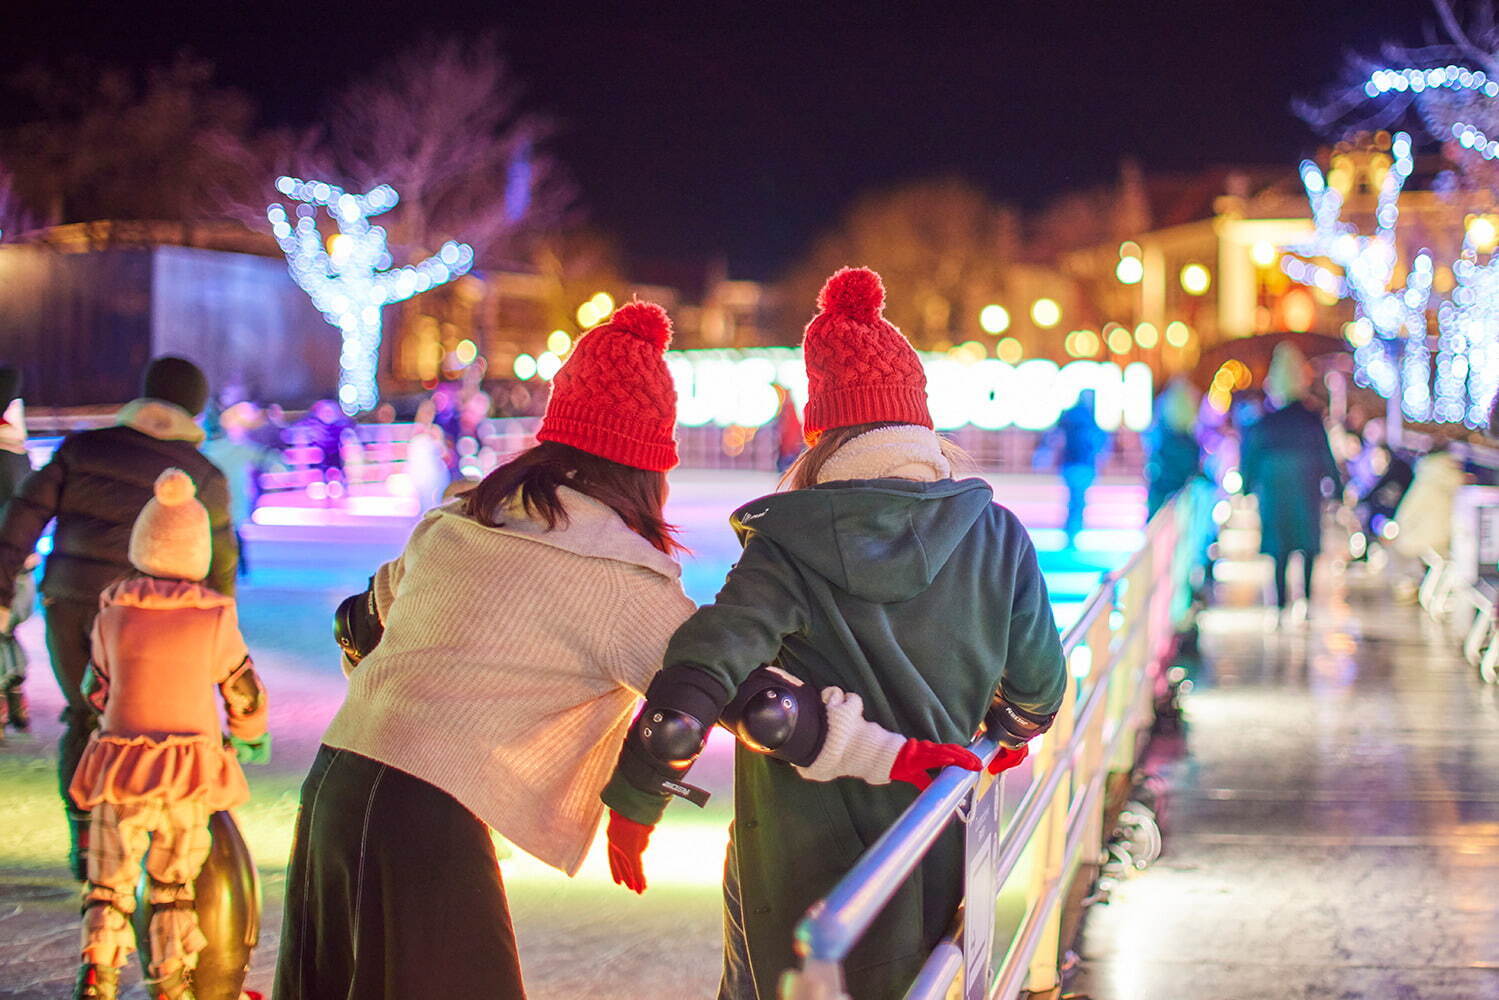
{"x":579,"y":937}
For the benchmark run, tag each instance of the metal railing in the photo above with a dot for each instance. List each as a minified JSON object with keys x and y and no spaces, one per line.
{"x":1114,"y":652}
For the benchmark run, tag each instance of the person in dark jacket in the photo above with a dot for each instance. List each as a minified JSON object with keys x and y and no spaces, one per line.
{"x":1083,"y":441}
{"x":878,"y":574}
{"x":15,"y":465}
{"x":1175,"y":456}
{"x":94,"y":487}
{"x":1286,"y":459}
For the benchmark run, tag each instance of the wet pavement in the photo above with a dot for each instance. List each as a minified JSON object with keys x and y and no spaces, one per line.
{"x":1332,"y":830}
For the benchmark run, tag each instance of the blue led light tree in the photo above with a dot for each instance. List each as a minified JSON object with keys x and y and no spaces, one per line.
{"x":350,"y":277}
{"x":1452,"y":92}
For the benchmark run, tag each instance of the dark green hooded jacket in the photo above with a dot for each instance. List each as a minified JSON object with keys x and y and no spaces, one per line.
{"x":922,"y":598}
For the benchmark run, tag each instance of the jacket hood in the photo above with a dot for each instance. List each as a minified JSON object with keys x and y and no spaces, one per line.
{"x":161,"y":420}
{"x":881,"y":540}
{"x":592,"y":529}
{"x":158,"y":594}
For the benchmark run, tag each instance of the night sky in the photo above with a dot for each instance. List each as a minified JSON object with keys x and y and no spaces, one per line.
{"x":713,"y":128}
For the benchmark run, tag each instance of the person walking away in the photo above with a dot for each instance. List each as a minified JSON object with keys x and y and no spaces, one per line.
{"x":158,"y":767}
{"x":96,"y":482}
{"x":1285,"y":462}
{"x":1174,"y":453}
{"x":243,"y":460}
{"x":15,"y":466}
{"x":1082,"y":444}
{"x":459,"y":722}
{"x":877,"y":576}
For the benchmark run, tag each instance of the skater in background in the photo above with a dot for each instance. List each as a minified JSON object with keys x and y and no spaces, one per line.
{"x":498,"y":661}
{"x":1174,"y":456}
{"x":886,"y":583}
{"x":96,"y":482}
{"x":1286,"y":462}
{"x":158,"y":768}
{"x":15,"y":466}
{"x":1423,"y":520}
{"x":1081,"y":443}
{"x":243,"y":460}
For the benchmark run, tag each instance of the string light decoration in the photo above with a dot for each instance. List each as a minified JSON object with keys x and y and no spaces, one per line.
{"x":1396,"y":356}
{"x":350,"y":276}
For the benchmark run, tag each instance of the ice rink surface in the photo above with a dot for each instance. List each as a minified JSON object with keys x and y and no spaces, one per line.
{"x":579,"y":937}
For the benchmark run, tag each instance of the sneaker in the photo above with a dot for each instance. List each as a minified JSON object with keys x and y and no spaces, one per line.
{"x":97,"y":982}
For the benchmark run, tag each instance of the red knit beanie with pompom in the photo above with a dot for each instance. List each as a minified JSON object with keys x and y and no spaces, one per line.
{"x":614,"y":397}
{"x":860,"y":369}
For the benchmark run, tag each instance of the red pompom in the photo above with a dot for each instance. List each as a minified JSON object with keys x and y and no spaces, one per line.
{"x":645,"y":320}
{"x":856,"y":292}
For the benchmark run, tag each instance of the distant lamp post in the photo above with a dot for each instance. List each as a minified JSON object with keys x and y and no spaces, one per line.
{"x":1264,"y":254}
{"x":350,"y":278}
{"x":994,"y":319}
{"x":1195,"y":279}
{"x":595,"y":310}
{"x":1130,"y":268}
{"x":1046,"y":313}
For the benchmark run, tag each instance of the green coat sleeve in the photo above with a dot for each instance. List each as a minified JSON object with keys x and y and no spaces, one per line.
{"x":762,"y":602}
{"x":1035,"y":674}
{"x":223,"y":571}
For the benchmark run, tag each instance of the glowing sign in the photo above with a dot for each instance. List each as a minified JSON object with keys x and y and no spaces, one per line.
{"x":737,"y":387}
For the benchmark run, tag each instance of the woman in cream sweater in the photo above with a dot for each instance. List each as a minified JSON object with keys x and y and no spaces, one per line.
{"x":510,"y":639}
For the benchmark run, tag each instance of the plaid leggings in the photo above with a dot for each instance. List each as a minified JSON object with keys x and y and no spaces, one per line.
{"x":173,"y":839}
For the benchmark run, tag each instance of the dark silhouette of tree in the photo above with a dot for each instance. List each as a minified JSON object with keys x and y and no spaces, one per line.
{"x":444,"y":125}
{"x":941,"y":246}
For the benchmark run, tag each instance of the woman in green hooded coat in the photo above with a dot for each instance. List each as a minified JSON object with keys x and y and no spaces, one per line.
{"x":881,"y":577}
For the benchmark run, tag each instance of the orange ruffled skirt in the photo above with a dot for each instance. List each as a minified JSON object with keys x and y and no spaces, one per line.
{"x":124,"y":769}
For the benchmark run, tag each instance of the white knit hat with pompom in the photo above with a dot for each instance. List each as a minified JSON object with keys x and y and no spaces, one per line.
{"x":171,"y":536}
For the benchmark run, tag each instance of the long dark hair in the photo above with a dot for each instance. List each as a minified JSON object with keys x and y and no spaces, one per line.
{"x":636,"y":495}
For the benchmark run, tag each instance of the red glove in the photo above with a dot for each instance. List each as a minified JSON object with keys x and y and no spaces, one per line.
{"x":918,"y":757}
{"x":1008,"y":758}
{"x":627,"y":840}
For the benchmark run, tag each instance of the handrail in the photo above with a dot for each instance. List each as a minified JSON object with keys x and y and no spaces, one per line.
{"x":1093,"y":726}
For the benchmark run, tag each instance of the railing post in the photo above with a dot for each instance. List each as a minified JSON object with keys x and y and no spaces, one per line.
{"x":1050,"y":845}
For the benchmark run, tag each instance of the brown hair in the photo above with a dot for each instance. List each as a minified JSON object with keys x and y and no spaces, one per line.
{"x":636,"y":495}
{"x":804,"y":471}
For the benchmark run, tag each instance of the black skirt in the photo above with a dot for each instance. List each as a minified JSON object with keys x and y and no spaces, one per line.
{"x":393,"y":893}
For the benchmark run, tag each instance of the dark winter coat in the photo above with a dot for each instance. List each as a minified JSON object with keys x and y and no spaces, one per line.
{"x":14,"y":467}
{"x":922,"y":598}
{"x":1082,"y":439}
{"x":1175,"y":457}
{"x":1285,"y":458}
{"x":95,"y":485}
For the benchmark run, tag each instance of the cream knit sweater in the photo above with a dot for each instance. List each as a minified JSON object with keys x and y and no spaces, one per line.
{"x":510,"y":665}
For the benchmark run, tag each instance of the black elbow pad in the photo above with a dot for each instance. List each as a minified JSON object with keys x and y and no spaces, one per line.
{"x":669,"y":733}
{"x":1014,"y":727}
{"x":776,"y":714}
{"x":356,"y":625}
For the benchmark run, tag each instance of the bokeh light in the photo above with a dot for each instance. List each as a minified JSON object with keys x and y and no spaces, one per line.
{"x":994,"y":318}
{"x":1046,"y":313}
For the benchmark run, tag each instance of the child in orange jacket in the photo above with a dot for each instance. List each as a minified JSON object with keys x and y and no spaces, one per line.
{"x":157,"y":768}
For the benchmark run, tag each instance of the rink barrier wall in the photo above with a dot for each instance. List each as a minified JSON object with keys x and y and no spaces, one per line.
{"x":1116,"y":653}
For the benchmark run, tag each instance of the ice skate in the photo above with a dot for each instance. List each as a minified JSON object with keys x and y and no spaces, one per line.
{"x":97,"y":982}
